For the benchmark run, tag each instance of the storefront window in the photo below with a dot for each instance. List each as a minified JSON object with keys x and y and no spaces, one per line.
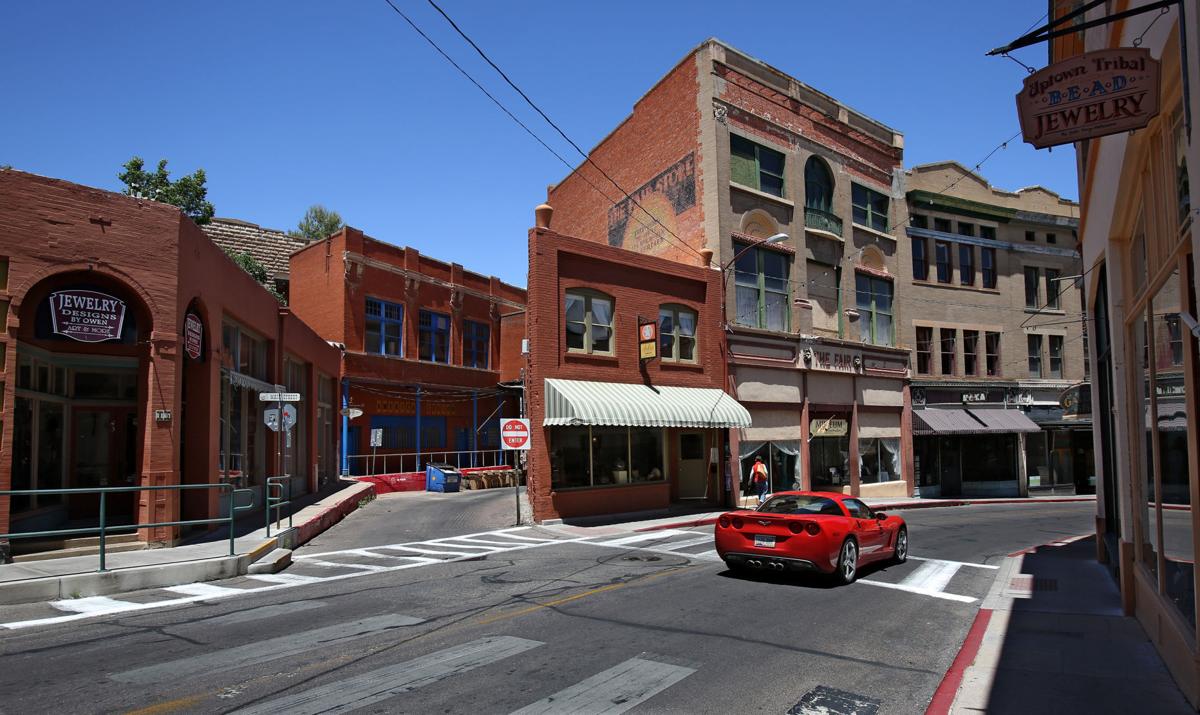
{"x":645,"y":455}
{"x":605,"y":456}
{"x":1037,"y":461}
{"x":1145,"y":502}
{"x":782,"y":459}
{"x":1171,"y":395}
{"x":878,"y":460}
{"x":990,"y":458}
{"x":830,"y":458}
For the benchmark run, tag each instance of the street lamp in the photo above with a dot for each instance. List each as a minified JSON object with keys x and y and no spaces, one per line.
{"x":777,"y":238}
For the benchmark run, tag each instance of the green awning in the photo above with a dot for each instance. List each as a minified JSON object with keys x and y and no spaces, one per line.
{"x":616,"y":404}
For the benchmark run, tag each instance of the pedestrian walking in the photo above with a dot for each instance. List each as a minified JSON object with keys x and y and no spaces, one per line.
{"x":758,"y":474}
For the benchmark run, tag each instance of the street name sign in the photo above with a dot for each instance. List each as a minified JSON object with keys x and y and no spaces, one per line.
{"x":279,"y":397}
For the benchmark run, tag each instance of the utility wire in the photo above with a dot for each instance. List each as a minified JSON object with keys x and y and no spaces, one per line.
{"x":587,"y":158}
{"x":521,"y":124}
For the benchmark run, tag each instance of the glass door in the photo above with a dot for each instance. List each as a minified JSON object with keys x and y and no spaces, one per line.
{"x":103,"y":455}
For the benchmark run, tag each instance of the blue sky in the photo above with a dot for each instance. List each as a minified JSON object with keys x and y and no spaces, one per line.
{"x":286,"y":104}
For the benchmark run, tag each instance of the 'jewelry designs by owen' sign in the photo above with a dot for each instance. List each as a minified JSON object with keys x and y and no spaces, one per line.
{"x":1092,"y":95}
{"x":87,"y":315}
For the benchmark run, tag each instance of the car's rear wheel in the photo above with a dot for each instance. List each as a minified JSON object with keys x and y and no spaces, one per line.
{"x":900,"y":551}
{"x":847,"y":566}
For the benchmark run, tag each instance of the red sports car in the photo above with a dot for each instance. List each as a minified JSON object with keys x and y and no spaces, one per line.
{"x":811,"y":531}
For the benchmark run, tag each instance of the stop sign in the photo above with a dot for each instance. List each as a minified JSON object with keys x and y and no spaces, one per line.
{"x":514,"y":434}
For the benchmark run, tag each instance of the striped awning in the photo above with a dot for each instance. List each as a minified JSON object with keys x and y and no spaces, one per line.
{"x":974,"y":421}
{"x":250,"y":383}
{"x":615,"y":404}
{"x":1006,"y":421}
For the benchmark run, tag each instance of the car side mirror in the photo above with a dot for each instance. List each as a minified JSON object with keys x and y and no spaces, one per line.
{"x":880,"y":516}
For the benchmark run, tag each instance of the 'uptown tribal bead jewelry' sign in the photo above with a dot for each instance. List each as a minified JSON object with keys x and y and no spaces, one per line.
{"x":1092,"y":95}
{"x":87,"y":315}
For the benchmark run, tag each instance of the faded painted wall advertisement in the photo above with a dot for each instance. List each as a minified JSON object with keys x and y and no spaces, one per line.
{"x":87,"y":315}
{"x":663,"y":199}
{"x":1092,"y":95}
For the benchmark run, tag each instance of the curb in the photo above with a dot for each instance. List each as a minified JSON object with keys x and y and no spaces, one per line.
{"x":900,"y":506}
{"x":324,"y":514}
{"x":943,"y":697}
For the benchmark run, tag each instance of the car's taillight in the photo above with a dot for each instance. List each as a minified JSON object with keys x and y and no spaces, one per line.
{"x":724,"y":522}
{"x":737,"y":523}
{"x":795,"y":527}
{"x":812,"y":528}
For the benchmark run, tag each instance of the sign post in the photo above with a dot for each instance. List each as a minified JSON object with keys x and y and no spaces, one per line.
{"x":279,"y":398}
{"x":377,"y":441}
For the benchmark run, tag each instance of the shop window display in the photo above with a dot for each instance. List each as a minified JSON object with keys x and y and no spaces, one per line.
{"x":878,"y":460}
{"x":830,"y":458}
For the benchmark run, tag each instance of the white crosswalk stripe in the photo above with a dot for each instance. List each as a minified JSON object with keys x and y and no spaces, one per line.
{"x":364,"y":690}
{"x":613,"y":691}
{"x":664,"y":541}
{"x":314,"y":568}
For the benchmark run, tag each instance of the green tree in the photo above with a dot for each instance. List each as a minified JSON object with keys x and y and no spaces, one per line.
{"x":257,"y":271}
{"x":318,"y":223}
{"x":188,"y":192}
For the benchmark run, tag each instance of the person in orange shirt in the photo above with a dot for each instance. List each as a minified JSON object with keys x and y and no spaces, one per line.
{"x":758,"y":475}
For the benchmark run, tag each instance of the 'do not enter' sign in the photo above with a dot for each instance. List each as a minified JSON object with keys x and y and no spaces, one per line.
{"x":514,"y":434}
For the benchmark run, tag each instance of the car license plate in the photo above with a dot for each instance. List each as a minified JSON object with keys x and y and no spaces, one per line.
{"x":764,"y":542}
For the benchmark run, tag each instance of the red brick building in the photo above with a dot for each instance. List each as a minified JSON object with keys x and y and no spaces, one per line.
{"x":723,"y":153}
{"x":427,"y":345}
{"x":133,"y":353}
{"x":613,"y":432}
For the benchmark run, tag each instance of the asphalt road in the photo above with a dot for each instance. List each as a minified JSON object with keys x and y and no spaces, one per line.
{"x":532,"y":619}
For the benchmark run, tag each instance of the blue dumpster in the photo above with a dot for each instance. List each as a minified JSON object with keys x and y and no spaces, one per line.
{"x":442,"y":478}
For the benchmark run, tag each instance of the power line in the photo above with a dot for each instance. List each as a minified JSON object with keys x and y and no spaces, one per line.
{"x":521,"y":124}
{"x":587,"y":158}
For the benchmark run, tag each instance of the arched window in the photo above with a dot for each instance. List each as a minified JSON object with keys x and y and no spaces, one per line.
{"x":818,"y":185}
{"x":677,"y":333}
{"x":589,"y":322}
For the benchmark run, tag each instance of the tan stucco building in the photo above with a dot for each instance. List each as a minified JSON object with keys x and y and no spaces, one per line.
{"x":990,"y":306}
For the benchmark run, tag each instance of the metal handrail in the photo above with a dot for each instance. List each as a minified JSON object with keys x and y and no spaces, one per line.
{"x":104,"y":528}
{"x":822,"y":220}
{"x":282,"y":483}
{"x":378,"y":463}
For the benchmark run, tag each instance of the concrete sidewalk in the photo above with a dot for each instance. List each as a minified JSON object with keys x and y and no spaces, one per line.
{"x":76,"y":576}
{"x":1051,"y":638}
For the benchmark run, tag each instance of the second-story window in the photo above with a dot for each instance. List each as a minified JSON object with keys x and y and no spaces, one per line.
{"x":1035,"y":355}
{"x":755,"y":165}
{"x":970,"y":352}
{"x":945,"y":267}
{"x":1031,"y":287}
{"x":875,"y":309}
{"x":1056,"y":356}
{"x":477,"y":344}
{"x":761,"y":276}
{"x":992,"y":350}
{"x":677,"y":333}
{"x":988,"y":232}
{"x":924,"y":351}
{"x":987,"y":262}
{"x":870,"y":208}
{"x":948,"y":336}
{"x":966,"y":264}
{"x":384,"y":328}
{"x":920,"y":251}
{"x":966,"y":229}
{"x":434,"y":329}
{"x":589,"y":322}
{"x":941,"y":224}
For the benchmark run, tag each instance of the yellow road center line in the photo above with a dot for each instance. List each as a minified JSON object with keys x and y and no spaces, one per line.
{"x":168,"y":706}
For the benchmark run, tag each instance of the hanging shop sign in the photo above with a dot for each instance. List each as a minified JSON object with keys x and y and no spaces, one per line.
{"x":829,"y":427}
{"x":647,"y":340}
{"x":87,"y":315}
{"x":1076,"y":401}
{"x":193,"y":336}
{"x":1091,"y":95}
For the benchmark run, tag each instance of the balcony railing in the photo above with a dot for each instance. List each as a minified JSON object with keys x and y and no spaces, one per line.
{"x":822,"y":221}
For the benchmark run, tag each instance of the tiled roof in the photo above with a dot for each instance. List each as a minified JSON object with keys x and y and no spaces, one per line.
{"x":270,"y":247}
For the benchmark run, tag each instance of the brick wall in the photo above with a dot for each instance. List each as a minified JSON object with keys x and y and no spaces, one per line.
{"x":661,"y":135}
{"x":638,"y":284}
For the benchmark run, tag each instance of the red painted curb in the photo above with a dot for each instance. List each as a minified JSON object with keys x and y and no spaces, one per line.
{"x":1065,"y":541}
{"x":943,"y":697}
